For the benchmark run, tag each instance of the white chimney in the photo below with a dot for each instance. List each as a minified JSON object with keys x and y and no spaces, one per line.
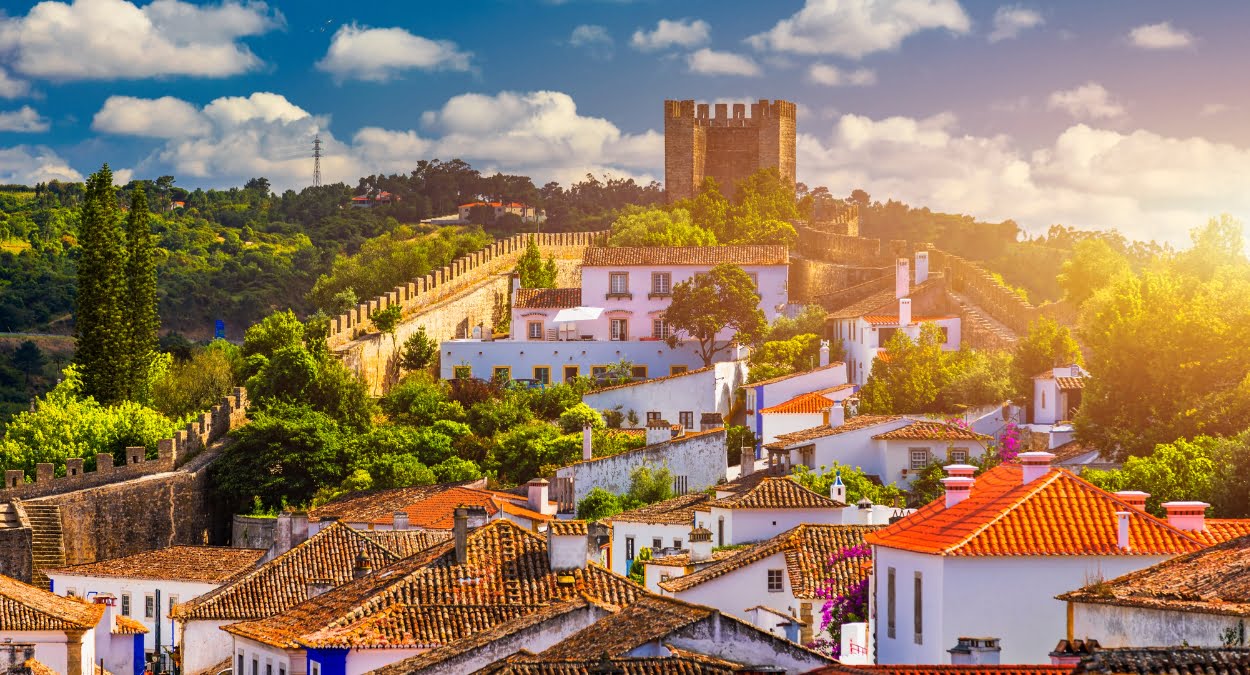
{"x":700,"y":545}
{"x":922,"y":266}
{"x":837,"y":491}
{"x":566,"y":545}
{"x":824,"y":353}
{"x":902,"y":279}
{"x":399,"y":521}
{"x":960,"y":470}
{"x":587,"y":442}
{"x":958,"y":488}
{"x":837,"y":416}
{"x":1034,"y":465}
{"x":316,"y":587}
{"x":974,"y":651}
{"x":1122,"y":530}
{"x":659,"y":431}
{"x":1134,"y":498}
{"x":1187,"y":516}
{"x":904,"y":312}
{"x":536,"y":497}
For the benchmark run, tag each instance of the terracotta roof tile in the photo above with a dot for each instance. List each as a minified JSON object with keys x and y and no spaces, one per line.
{"x":880,"y":302}
{"x":857,"y":423}
{"x":704,"y":256}
{"x":1167,"y":660}
{"x":209,"y":564}
{"x":37,"y":667}
{"x":650,"y":619}
{"x":546,"y":298}
{"x":683,"y":559}
{"x":776,"y":493}
{"x":124,"y":625}
{"x":1055,"y":514}
{"x":24,"y":607}
{"x":926,"y":430}
{"x":434,"y":509}
{"x":568,"y":528}
{"x":523,"y":663}
{"x":1070,"y":383}
{"x":1220,"y":530}
{"x":675,"y":511}
{"x":944,"y":669}
{"x":892,"y":319}
{"x":696,"y":371}
{"x":372,"y":505}
{"x":803,"y":404}
{"x":808,"y":550}
{"x":782,"y":378}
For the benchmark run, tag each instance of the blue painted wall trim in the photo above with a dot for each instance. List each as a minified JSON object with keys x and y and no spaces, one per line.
{"x":137,"y":664}
{"x":332,"y":661}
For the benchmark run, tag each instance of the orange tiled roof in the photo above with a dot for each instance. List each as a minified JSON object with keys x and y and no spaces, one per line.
{"x":678,"y":663}
{"x":649,"y":619}
{"x":892,"y":320}
{"x":1070,"y":383}
{"x":209,"y":564}
{"x":776,"y":493}
{"x":803,"y":404}
{"x":653,"y":380}
{"x":927,"y":430}
{"x":124,"y":625}
{"x":432,"y":508}
{"x":703,"y":256}
{"x":37,"y":667}
{"x":1219,"y":530}
{"x":369,"y":505}
{"x":546,"y":298}
{"x":1055,"y":514}
{"x":880,"y":302}
{"x":944,"y":669}
{"x":675,"y":511}
{"x":568,"y":528}
{"x":807,"y":549}
{"x":683,"y":559}
{"x":857,"y":423}
{"x":24,"y":607}
{"x":780,"y":378}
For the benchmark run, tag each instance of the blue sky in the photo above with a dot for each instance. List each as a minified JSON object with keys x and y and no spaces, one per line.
{"x":1123,"y":114}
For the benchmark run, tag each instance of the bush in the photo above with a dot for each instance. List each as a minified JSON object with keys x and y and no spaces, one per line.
{"x":419,"y":400}
{"x":419,"y":352}
{"x":577,"y":417}
{"x":598,"y":504}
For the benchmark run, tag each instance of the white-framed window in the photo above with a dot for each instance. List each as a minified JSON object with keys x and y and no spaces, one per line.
{"x":677,"y":543}
{"x":268,"y":666}
{"x":316,"y":668}
{"x":919,"y":608}
{"x":958,"y":456}
{"x":686,"y":418}
{"x":534,"y":330}
{"x":755,"y":279}
{"x":661,"y":283}
{"x":149,"y":606}
{"x":653,"y":416}
{"x":281,"y":669}
{"x":173,"y":600}
{"x":1043,"y":399}
{"x":776,"y":583}
{"x":240,"y":667}
{"x":618,"y":283}
{"x":125,"y":604}
{"x":919,"y":458}
{"x":659,"y":329}
{"x":619,"y":329}
{"x":656,"y":543}
{"x":542,"y":374}
{"x":629,"y":549}
{"x":890,"y":595}
{"x":255,"y":666}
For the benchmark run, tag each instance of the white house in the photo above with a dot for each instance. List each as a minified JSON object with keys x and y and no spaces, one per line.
{"x":527,"y":213}
{"x":892,"y":447}
{"x":663,"y":526}
{"x":1056,"y":397}
{"x":682,"y":398}
{"x":148,"y":585}
{"x":989,"y":558}
{"x":63,"y":630}
{"x":801,"y":412}
{"x":615,"y":315}
{"x":764,"y":510}
{"x":766,"y":394}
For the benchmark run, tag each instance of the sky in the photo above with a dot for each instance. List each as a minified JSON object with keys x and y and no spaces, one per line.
{"x":1125,"y":114}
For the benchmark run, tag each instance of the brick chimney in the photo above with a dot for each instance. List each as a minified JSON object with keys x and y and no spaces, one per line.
{"x":399,"y":521}
{"x":1187,"y":516}
{"x":975,"y":651}
{"x":537,"y":497}
{"x":363,"y":566}
{"x":1069,"y":653}
{"x":904,"y":312}
{"x":1134,"y":498}
{"x":700,"y":545}
{"x":711,"y":420}
{"x":659,"y":431}
{"x":824,"y":353}
{"x":1034,"y":465}
{"x":902,"y":279}
{"x":958,"y":488}
{"x":587,"y":442}
{"x":1122,"y":530}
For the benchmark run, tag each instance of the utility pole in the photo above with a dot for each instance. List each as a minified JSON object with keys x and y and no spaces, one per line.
{"x":317,"y":160}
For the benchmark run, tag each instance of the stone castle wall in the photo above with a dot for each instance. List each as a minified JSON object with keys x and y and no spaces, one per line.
{"x":728,"y":145}
{"x":813,"y":281}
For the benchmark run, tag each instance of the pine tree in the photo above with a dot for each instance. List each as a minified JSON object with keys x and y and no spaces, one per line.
{"x":139,"y":301}
{"x":98,"y":319}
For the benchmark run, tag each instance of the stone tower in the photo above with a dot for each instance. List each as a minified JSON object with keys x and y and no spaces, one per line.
{"x":726,"y":147}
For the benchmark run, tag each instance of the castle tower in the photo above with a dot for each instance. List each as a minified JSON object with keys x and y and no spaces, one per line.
{"x":728,"y":146}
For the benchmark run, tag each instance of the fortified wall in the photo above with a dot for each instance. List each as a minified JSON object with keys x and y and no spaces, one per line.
{"x":471,"y":292}
{"x":726,"y":146}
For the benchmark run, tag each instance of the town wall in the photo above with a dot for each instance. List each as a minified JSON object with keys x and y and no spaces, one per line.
{"x":701,"y":457}
{"x":16,"y":545}
{"x":811,"y":280}
{"x":728,"y":145}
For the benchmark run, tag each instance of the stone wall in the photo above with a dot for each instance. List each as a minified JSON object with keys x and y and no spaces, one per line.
{"x":15,"y":552}
{"x":975,"y":283}
{"x":252,"y":531}
{"x":813,"y":279}
{"x":841,"y":248}
{"x":699,"y":456}
{"x":728,"y":145}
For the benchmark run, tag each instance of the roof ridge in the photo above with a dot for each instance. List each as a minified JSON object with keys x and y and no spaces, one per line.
{"x":1150,"y":517}
{"x":1041,"y":482}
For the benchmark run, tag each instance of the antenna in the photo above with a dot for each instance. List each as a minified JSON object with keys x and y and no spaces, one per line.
{"x":317,"y":160}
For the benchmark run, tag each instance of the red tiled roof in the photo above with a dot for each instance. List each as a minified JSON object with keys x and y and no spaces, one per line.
{"x":1055,"y":514}
{"x":780,"y":378}
{"x":944,"y":669}
{"x":511,"y":205}
{"x":776,"y":493}
{"x":703,"y":256}
{"x":24,"y":608}
{"x":857,"y":423}
{"x":926,"y":430}
{"x":803,"y":404}
{"x":432,"y":508}
{"x":888,"y":320}
{"x":1070,"y":383}
{"x":209,"y":564}
{"x":696,"y":371}
{"x":546,"y":298}
{"x":1219,"y":530}
{"x":675,"y":511}
{"x":124,"y":625}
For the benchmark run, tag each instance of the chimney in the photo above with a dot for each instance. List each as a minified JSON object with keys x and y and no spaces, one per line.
{"x":1135,"y":498}
{"x":711,"y":420}
{"x":460,"y":532}
{"x":399,"y":521}
{"x":960,"y":470}
{"x":1069,"y":653}
{"x":364,"y":566}
{"x":588,"y":437}
{"x":1034,"y":465}
{"x":516,"y":284}
{"x":1187,"y":516}
{"x":865,"y":507}
{"x":700,"y":545}
{"x":536,"y":497}
{"x":837,"y":416}
{"x":824,"y":353}
{"x":659,"y":431}
{"x":566,"y":545}
{"x":958,"y":488}
{"x":975,"y":651}
{"x":318,"y":587}
{"x":1121,"y":541}
{"x":904,"y":312}
{"x":299,"y":527}
{"x":922,"y":267}
{"x":902,"y":279}
{"x":837,"y":491}
{"x":477,"y":516}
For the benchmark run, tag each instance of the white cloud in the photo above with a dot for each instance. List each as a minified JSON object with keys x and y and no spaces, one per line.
{"x":832,"y":76}
{"x":855,"y":28}
{"x":668,"y":33}
{"x":1159,"y":36}
{"x":11,"y":87}
{"x":25,"y":119}
{"x":27,"y":165}
{"x":379,"y":54}
{"x":1142,"y":183}
{"x":708,"y":62}
{"x":165,"y":117}
{"x":1012,"y":20}
{"x":594,"y":39}
{"x":113,"y":39}
{"x":1088,"y":101}
{"x":1216,"y":109}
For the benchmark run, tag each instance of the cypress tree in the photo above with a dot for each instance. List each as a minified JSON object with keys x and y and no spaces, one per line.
{"x":139,"y":301}
{"x":98,"y":318}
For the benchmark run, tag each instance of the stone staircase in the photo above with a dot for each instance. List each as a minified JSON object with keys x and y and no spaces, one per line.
{"x":47,"y":546}
{"x":8,"y":516}
{"x":981,"y":329}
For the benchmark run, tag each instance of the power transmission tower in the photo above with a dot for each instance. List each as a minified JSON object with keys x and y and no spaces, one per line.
{"x":317,"y":161}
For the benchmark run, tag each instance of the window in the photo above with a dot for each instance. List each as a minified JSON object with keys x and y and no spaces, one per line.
{"x":629,"y":550}
{"x":570,"y":373}
{"x":661,"y":283}
{"x":542,"y":374}
{"x":656,"y":543}
{"x":1043,"y":399}
{"x":462,"y":372}
{"x":919,"y":458}
{"x":720,"y":531}
{"x":775,"y":582}
{"x":620,"y":329}
{"x":240,"y":668}
{"x":889,"y":603}
{"x":173,"y":600}
{"x":255,"y":666}
{"x":919,"y":609}
{"x":638,"y":372}
{"x":755,"y":279}
{"x":659,"y":329}
{"x":501,"y":373}
{"x":268,"y":668}
{"x":677,"y":543}
{"x":281,"y":669}
{"x":686,"y":417}
{"x":884,"y":335}
{"x":652,"y":416}
{"x":534,"y":330}
{"x":125,"y":604}
{"x":149,"y":606}
{"x":665,"y":577}
{"x":71,"y":592}
{"x":946,"y":334}
{"x":958,"y":456}
{"x":316,"y":668}
{"x":618,"y":283}
{"x":598,"y":372}
{"x":677,"y":370}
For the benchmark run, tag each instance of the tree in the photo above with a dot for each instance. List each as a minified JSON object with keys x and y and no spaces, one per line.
{"x":99,"y":319}
{"x":658,"y":227}
{"x":1046,"y":346}
{"x":1178,"y":471}
{"x":638,"y":566}
{"x":709,"y":210}
{"x":534,"y":273}
{"x":575,"y":418}
{"x":722,"y":299}
{"x":648,"y":486}
{"x":598,"y":504}
{"x":763,"y":207}
{"x":781,"y":357}
{"x":858,"y":484}
{"x":197,"y":384}
{"x":29,"y":359}
{"x":909,"y":378}
{"x":387,"y":321}
{"x":419,"y":351}
{"x":139,"y":304}
{"x":1092,"y":266}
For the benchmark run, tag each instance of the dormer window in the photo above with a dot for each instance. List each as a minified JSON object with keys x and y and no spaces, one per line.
{"x":661,"y":283}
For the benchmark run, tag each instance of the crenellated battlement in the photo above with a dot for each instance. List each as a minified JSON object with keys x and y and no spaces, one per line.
{"x":727,"y":142}
{"x":730,"y":115}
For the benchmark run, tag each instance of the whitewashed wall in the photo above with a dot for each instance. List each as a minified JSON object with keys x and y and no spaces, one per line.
{"x":701,"y":458}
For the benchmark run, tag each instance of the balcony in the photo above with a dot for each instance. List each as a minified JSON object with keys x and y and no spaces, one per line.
{"x":624,"y":295}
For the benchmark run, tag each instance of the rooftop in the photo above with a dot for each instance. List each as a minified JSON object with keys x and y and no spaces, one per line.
{"x":1070,"y":383}
{"x":782,"y":378}
{"x":808,"y":550}
{"x":649,"y":619}
{"x":680,"y":663}
{"x":430,"y":509}
{"x":927,"y":430}
{"x":683,"y":559}
{"x":776,"y":493}
{"x":124,"y":625}
{"x":879,"y":303}
{"x":807,"y":404}
{"x":892,"y":319}
{"x":368,"y":505}
{"x":208,"y":564}
{"x":944,"y":669}
{"x":1167,"y":661}
{"x":1055,"y":514}
{"x":857,"y":423}
{"x":24,"y":608}
{"x":675,"y":376}
{"x":546,"y":298}
{"x":675,"y":511}
{"x":703,"y":256}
